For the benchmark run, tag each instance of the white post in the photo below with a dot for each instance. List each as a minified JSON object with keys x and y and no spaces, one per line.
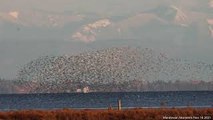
{"x":119,"y":104}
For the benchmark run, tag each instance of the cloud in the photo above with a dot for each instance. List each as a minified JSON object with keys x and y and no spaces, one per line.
{"x":14,"y":14}
{"x":89,"y":32}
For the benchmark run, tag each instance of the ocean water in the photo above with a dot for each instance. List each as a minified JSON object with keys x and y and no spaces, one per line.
{"x":103,"y":100}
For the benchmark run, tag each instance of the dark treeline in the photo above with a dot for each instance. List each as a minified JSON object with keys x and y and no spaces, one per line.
{"x":153,"y":86}
{"x":9,"y":86}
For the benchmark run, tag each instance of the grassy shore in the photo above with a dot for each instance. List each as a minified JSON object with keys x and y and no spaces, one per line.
{"x":129,"y":114}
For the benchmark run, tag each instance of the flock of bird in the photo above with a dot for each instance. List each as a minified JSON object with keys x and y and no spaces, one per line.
{"x":112,"y":65}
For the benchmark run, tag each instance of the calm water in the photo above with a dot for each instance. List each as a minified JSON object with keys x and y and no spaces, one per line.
{"x":103,"y":100}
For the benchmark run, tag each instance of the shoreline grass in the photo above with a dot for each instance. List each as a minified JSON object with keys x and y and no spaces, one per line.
{"x":127,"y":114}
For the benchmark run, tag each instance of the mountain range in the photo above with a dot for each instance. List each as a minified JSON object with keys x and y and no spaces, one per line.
{"x":30,"y":29}
{"x":180,"y":18}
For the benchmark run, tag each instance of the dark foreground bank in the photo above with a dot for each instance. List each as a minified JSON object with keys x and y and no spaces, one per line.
{"x":128,"y":114}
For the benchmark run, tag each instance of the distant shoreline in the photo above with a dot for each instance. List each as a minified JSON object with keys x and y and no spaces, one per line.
{"x":108,"y":92}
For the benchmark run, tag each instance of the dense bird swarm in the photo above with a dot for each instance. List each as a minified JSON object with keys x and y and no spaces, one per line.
{"x":113,"y":65}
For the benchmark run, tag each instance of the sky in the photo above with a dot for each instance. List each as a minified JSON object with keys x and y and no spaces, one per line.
{"x":33,"y":28}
